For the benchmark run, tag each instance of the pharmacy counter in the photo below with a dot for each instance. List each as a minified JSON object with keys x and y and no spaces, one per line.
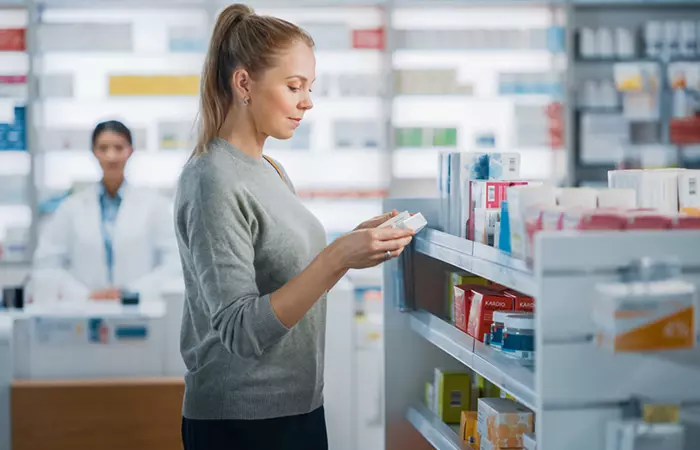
{"x":137,"y":413}
{"x":45,"y":348}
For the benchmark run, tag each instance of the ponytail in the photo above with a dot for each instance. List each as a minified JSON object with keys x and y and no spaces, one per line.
{"x":241,"y":39}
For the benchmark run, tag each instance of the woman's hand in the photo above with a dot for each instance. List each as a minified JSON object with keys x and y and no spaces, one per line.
{"x":368,"y":247}
{"x":376,"y":221}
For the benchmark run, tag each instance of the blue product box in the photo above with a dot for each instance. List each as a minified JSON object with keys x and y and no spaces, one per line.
{"x":20,"y":115}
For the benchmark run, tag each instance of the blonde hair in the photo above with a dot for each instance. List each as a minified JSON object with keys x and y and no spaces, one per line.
{"x":241,"y":39}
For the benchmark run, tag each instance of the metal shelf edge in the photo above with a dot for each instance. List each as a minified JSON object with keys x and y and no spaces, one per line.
{"x":439,"y":434}
{"x":478,"y":259}
{"x":508,"y":374}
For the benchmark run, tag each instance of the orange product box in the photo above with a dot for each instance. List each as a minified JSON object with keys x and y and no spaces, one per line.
{"x":502,"y":423}
{"x":462,"y":304}
{"x":484,"y":302}
{"x":521,"y":302}
{"x":467,"y":427}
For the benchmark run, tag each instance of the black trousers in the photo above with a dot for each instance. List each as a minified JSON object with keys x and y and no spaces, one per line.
{"x":302,"y":432}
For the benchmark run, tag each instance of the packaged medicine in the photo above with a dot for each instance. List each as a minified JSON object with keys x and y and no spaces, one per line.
{"x":519,"y":336}
{"x":650,"y":309}
{"x":502,"y":423}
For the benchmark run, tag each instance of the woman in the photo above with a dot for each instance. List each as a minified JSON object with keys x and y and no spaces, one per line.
{"x":107,"y":238}
{"x":255,"y":260}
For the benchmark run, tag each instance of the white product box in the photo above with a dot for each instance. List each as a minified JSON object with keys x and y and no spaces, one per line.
{"x":689,"y":189}
{"x":415,"y":222}
{"x":656,"y":189}
{"x":617,"y":198}
{"x":578,"y":198}
{"x":504,"y":166}
{"x":520,"y":200}
{"x":391,"y":223}
{"x":463,"y":168}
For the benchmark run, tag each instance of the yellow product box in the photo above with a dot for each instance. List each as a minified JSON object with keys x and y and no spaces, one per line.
{"x":661,"y":413}
{"x":452,"y":391}
{"x":502,"y":423}
{"x":146,"y":85}
{"x":646,"y":316}
{"x":486,"y":388}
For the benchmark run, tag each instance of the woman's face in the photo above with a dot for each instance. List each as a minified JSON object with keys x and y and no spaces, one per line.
{"x":112,"y":151}
{"x":281,"y":96}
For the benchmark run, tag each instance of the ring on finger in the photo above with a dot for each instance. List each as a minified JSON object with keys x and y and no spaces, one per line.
{"x":387,"y":255}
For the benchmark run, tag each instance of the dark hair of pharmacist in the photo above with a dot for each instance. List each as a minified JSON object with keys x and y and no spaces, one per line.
{"x":114,"y":126}
{"x":241,"y":38}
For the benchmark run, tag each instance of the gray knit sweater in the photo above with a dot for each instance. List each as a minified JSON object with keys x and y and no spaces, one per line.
{"x":242,"y":234}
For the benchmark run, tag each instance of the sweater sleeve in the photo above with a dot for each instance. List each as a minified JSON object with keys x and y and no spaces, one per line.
{"x":221,"y":245}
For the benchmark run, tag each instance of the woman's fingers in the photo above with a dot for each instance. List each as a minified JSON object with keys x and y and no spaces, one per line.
{"x":390,"y":234}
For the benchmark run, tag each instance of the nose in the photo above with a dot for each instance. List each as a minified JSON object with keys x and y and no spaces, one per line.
{"x":306,"y":103}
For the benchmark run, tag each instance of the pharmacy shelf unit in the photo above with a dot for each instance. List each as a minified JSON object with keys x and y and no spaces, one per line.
{"x":574,"y":386}
{"x":601,"y":138}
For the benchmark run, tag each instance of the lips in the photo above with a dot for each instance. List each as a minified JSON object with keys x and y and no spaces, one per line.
{"x":296,"y":121}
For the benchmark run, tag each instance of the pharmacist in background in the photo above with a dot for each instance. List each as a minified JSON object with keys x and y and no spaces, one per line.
{"x":108,"y":238}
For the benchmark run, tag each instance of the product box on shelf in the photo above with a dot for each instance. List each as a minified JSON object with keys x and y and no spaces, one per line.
{"x":644,"y":315}
{"x":459,"y":281}
{"x":504,"y":166}
{"x":521,"y":200}
{"x":596,"y":219}
{"x":13,"y":39}
{"x":484,"y":302}
{"x":467,"y":428}
{"x":452,"y":393}
{"x":462,"y":303}
{"x":689,"y":190}
{"x":652,"y":311}
{"x":647,"y":220}
{"x":521,"y":302}
{"x":485,"y":199}
{"x":687,"y":222}
{"x":617,"y":198}
{"x":502,"y":423}
{"x":463,"y":167}
{"x":656,"y":189}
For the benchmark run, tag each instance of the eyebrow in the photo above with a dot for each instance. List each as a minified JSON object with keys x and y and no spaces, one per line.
{"x":302,"y":77}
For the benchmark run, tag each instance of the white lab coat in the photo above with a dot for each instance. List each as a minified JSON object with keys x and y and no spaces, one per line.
{"x":69,"y":262}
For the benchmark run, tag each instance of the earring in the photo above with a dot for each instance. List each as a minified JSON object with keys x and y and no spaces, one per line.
{"x":245,"y":101}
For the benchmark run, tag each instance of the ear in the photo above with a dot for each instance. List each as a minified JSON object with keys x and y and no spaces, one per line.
{"x":241,"y":84}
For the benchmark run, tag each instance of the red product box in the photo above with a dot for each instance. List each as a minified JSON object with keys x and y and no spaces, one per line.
{"x":647,"y":220}
{"x":595,"y":219}
{"x":13,"y":79}
{"x":462,"y":304}
{"x":484,"y":302}
{"x":521,"y":302}
{"x":686,"y":222}
{"x":13,"y":39}
{"x":368,"y":39}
